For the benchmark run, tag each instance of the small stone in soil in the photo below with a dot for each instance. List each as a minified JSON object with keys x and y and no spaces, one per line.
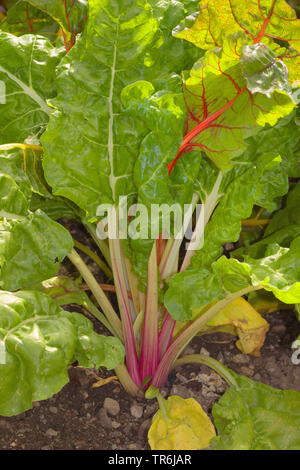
{"x":115,"y":424}
{"x":247,"y":371}
{"x":188,"y":350}
{"x":51,"y":433}
{"x":112,"y":406}
{"x":53,"y":409}
{"x":136,"y":411}
{"x":204,"y":352}
{"x":241,"y":359}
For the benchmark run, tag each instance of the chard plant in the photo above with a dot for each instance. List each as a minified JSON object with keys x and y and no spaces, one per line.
{"x":162,"y":102}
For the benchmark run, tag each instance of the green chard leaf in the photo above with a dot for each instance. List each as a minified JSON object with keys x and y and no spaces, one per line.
{"x":260,"y":20}
{"x":27,"y":69}
{"x":255,"y":416}
{"x":218,"y":123}
{"x":69,"y":14}
{"x":12,"y":200}
{"x":278,"y":272}
{"x":92,"y":161}
{"x":38,"y":341}
{"x":31,"y":250}
{"x":23,"y":18}
{"x":133,"y":45}
{"x":283,"y":228}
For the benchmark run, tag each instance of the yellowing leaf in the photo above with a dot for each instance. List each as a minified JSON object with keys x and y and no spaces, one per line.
{"x":240,"y":318}
{"x":180,"y":425}
{"x":100,"y":381}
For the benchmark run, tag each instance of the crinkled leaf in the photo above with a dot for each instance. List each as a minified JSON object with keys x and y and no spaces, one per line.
{"x":260,"y":20}
{"x":263,"y":73}
{"x":92,"y":161}
{"x":69,"y":14}
{"x":63,"y":290}
{"x":31,"y":250}
{"x":27,"y":68}
{"x":290,"y":215}
{"x":55,"y":208}
{"x":277,"y":272}
{"x":219,"y":123}
{"x":23,"y":18}
{"x":12,"y":200}
{"x":182,"y":425}
{"x":25,"y":163}
{"x":132,"y":46}
{"x":255,"y":416}
{"x":39,"y":341}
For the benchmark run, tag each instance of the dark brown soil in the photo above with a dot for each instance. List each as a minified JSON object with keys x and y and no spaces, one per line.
{"x":76,"y":419}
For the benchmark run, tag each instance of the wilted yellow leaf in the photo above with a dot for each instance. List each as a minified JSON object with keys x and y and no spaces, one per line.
{"x":100,"y":381}
{"x":181,"y":425}
{"x":240,"y":318}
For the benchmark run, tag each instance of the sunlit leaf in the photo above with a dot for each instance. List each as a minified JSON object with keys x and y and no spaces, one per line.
{"x":181,"y":425}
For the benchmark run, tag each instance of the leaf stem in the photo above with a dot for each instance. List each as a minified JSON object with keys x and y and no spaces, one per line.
{"x":149,"y":348}
{"x":186,"y":335}
{"x":125,"y":311}
{"x":208,"y":208}
{"x":85,"y":249}
{"x":99,"y":294}
{"x":207,"y":361}
{"x":127,"y":382}
{"x":102,"y":245}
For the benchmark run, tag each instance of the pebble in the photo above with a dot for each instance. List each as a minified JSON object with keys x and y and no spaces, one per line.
{"x":115,"y":424}
{"x":220,"y":357}
{"x":133,"y":447}
{"x":53,"y":409}
{"x":51,"y":433}
{"x":136,"y":411}
{"x":247,"y":371}
{"x":204,"y":352}
{"x":241,"y":359}
{"x":112,"y":406}
{"x":188,"y":350}
{"x":257,"y":376}
{"x":208,"y":393}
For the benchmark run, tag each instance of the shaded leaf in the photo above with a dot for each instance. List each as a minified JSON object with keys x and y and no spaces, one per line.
{"x":239,"y":318}
{"x":69,"y":14}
